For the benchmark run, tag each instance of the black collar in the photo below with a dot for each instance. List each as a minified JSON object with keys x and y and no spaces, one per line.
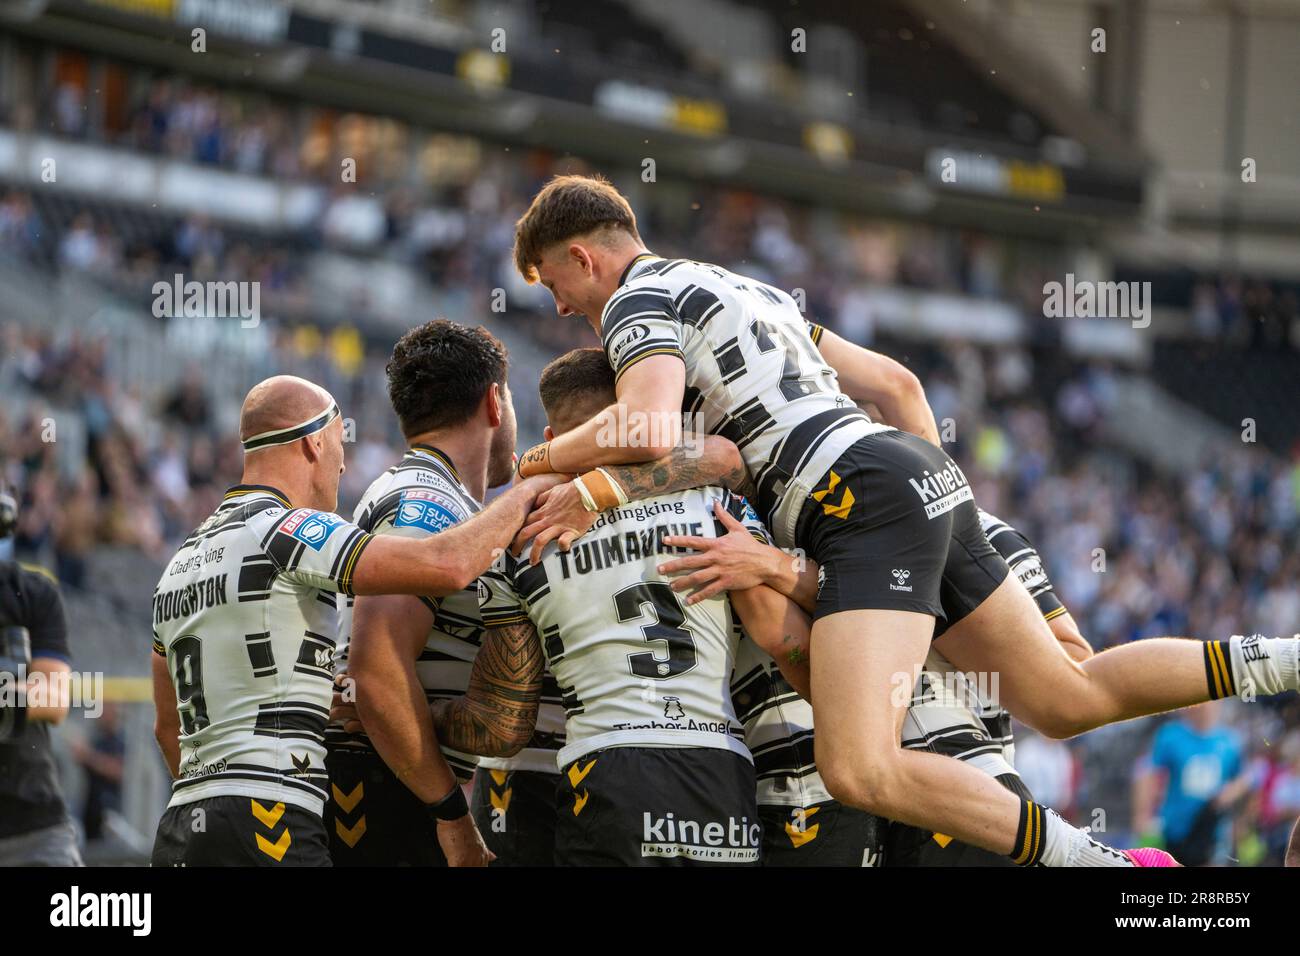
{"x":266,"y":489}
{"x":441,"y":455}
{"x":632,"y":264}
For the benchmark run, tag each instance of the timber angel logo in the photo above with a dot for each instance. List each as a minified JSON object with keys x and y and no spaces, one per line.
{"x":673,"y":708}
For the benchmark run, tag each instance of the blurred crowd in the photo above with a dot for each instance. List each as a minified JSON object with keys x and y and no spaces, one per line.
{"x":97,"y":461}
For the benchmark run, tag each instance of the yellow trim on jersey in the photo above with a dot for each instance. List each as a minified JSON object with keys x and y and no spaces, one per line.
{"x":345,"y":580}
{"x":644,"y":355}
{"x":502,"y":621}
{"x":815,"y":332}
{"x":1055,"y":613}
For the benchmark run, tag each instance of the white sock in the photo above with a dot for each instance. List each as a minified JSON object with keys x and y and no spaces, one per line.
{"x":1067,"y":845}
{"x":1262,"y":666}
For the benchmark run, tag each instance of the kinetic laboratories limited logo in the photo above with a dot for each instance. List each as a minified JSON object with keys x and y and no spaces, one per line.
{"x":736,"y":841}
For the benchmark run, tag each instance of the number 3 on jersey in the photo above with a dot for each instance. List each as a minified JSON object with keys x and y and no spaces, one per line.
{"x":668,"y":618}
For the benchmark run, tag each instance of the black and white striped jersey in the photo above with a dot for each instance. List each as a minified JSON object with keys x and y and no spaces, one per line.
{"x":753,"y":374}
{"x":778,"y":729}
{"x":244,"y":614}
{"x":958,"y":714}
{"x":419,"y":496}
{"x":636,"y":666}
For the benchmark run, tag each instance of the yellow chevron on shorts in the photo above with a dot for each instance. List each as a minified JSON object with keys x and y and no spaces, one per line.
{"x":276,"y":850}
{"x":576,"y":776}
{"x":349,"y":802}
{"x":268,"y":818}
{"x":802,"y":833}
{"x":942,"y":839}
{"x":350,"y":835}
{"x":840,"y":510}
{"x":500,"y":801}
{"x":499,"y":776}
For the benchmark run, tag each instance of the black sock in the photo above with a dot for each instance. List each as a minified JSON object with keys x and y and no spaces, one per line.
{"x":1218,"y":670}
{"x":1030,"y":835}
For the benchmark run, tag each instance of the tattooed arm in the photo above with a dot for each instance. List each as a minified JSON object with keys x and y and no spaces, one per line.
{"x":716,"y":461}
{"x":782,"y":629}
{"x":496,"y":715}
{"x":560,"y":515}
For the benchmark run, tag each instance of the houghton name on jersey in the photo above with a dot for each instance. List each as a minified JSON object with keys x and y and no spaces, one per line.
{"x":244,"y":614}
{"x":636,"y":667}
{"x":753,"y":374}
{"x":959,"y":714}
{"x":420,"y":496}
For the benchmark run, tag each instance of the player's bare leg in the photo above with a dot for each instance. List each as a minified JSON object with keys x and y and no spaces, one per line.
{"x":860,"y":661}
{"x":1060,"y":697}
{"x":863,"y":666}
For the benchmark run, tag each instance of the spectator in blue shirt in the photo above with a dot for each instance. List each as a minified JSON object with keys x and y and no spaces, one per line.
{"x":1195,"y":774}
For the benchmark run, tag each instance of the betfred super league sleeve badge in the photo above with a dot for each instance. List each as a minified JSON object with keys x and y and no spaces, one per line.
{"x":312,"y":528}
{"x":427,"y":510}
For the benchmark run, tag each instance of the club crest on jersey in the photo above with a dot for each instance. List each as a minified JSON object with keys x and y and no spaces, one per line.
{"x":312,"y":528}
{"x":420,"y":508}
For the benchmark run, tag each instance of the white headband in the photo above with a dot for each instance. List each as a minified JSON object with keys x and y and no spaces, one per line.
{"x":285,"y":436}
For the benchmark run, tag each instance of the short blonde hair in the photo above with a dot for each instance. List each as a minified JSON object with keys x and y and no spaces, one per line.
{"x":569,"y":206}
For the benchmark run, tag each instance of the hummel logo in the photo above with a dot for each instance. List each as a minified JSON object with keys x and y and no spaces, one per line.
{"x":901,"y":575}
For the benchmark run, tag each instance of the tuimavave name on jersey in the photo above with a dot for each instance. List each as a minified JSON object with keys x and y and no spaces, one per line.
{"x":636,"y":667}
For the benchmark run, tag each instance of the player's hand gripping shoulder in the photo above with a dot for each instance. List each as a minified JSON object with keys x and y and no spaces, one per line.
{"x":448,"y":562}
{"x":735,"y":561}
{"x":566,"y":513}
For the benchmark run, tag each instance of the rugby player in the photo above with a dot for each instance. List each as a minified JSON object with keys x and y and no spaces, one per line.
{"x":947,"y":715}
{"x":656,"y":769}
{"x":957,"y":717}
{"x":244,"y":618}
{"x":447,"y":384}
{"x":867,"y":502}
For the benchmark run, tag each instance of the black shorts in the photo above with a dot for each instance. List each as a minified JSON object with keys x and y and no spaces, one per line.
{"x":372,"y":818}
{"x":825,"y":834}
{"x":893,"y":526}
{"x":909,"y":846}
{"x":658,"y":806}
{"x":515,"y":812}
{"x":240,"y":831}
